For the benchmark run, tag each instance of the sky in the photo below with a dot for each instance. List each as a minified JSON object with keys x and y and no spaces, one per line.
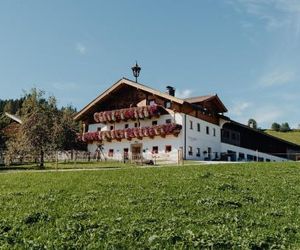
{"x":246,"y":51}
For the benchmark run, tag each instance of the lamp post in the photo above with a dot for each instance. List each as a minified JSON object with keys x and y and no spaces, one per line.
{"x":136,"y":71}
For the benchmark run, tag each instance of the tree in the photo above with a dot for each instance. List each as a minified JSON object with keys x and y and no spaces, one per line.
{"x":252,"y":123}
{"x":44,"y":128}
{"x":285,"y":127}
{"x":275,"y":126}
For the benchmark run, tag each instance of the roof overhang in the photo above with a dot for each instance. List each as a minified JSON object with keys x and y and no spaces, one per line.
{"x":119,"y":84}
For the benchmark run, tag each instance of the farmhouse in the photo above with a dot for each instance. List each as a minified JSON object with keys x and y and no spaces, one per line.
{"x":133,"y":121}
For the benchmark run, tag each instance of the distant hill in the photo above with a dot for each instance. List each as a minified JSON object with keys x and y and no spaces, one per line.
{"x":292,"y":136}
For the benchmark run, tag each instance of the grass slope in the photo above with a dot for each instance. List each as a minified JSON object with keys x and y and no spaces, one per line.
{"x":241,"y":206}
{"x":292,"y":136}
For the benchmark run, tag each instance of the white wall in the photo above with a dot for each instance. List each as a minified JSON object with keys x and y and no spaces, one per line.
{"x":147,"y":145}
{"x":201,"y":139}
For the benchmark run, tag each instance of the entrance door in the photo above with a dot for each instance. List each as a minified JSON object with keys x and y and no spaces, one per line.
{"x":136,"y":152}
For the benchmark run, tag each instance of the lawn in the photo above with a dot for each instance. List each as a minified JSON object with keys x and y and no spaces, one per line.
{"x":241,"y":206}
{"x":292,"y":136}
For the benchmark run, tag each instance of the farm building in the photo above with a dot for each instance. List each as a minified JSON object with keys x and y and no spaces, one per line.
{"x":133,"y":121}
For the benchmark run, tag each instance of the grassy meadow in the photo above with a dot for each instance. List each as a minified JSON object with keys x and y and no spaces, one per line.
{"x":240,"y":206}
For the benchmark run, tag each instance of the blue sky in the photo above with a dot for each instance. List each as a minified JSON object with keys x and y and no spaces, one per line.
{"x":246,"y":51}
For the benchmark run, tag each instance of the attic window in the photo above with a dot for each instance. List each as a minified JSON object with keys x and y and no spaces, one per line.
{"x":151,"y":102}
{"x":167,"y":104}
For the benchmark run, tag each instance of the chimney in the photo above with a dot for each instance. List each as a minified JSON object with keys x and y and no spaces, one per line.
{"x":170,"y":90}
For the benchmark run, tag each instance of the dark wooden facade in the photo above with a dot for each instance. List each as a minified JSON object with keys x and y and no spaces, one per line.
{"x":240,"y":135}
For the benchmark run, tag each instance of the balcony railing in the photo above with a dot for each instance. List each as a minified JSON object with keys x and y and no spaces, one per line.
{"x":127,"y":114}
{"x":130,"y":133}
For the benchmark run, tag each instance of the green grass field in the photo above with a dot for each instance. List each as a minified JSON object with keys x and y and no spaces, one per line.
{"x":292,"y":136}
{"x":240,"y":206}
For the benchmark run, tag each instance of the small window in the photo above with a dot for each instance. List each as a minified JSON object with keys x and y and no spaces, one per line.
{"x":155,"y":150}
{"x":168,"y":148}
{"x":198,"y":152}
{"x":190,"y":150}
{"x":111,"y":153}
{"x":241,"y":156}
{"x":191,"y":124}
{"x":126,"y":150}
{"x":154,"y":123}
{"x":112,"y":127}
{"x":168,"y":121}
{"x":151,"y":102}
{"x":214,"y":131}
{"x":198,"y":127}
{"x":136,"y":124}
{"x":207,"y":130}
{"x":99,"y":129}
{"x":168,"y":104}
{"x":126,"y":126}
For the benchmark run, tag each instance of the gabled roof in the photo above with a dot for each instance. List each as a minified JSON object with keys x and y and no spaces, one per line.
{"x":207,"y":98}
{"x":125,"y":81}
{"x":198,"y":98}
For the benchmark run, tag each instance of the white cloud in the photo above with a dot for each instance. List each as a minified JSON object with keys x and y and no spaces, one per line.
{"x":184,"y":93}
{"x":81,"y":48}
{"x":277,"y":77}
{"x":274,"y":13}
{"x":238,"y":108}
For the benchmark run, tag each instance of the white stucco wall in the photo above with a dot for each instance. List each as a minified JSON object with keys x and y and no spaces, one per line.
{"x":147,"y":146}
{"x":147,"y":143}
{"x":200,"y":139}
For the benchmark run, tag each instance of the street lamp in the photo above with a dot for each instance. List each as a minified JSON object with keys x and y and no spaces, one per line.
{"x":136,"y":71}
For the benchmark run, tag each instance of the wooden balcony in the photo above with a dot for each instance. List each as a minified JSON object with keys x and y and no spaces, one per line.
{"x":131,"y":133}
{"x":134,"y":113}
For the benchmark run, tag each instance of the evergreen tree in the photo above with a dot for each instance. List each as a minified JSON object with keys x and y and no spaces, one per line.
{"x":275,"y":126}
{"x":285,"y":127}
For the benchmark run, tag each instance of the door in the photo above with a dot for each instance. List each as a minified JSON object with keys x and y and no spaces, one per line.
{"x":136,"y":151}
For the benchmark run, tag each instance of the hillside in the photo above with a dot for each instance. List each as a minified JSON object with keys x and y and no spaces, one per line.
{"x":233,"y":206}
{"x":292,"y":136}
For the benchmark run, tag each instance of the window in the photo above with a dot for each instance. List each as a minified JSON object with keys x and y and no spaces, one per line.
{"x":168,"y":121}
{"x":155,"y":150}
{"x":241,"y":156}
{"x":207,"y":130}
{"x":112,"y":127}
{"x":214,"y":131}
{"x":111,"y":153}
{"x":191,"y":124}
{"x":126,"y":126}
{"x":198,"y":127}
{"x":250,"y":157}
{"x":167,"y":104}
{"x":190,"y":150}
{"x":168,"y":148}
{"x":154,"y":123}
{"x":151,"y":102}
{"x":99,"y":129}
{"x":126,"y":153}
{"x":136,"y":124}
{"x":198,"y":151}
